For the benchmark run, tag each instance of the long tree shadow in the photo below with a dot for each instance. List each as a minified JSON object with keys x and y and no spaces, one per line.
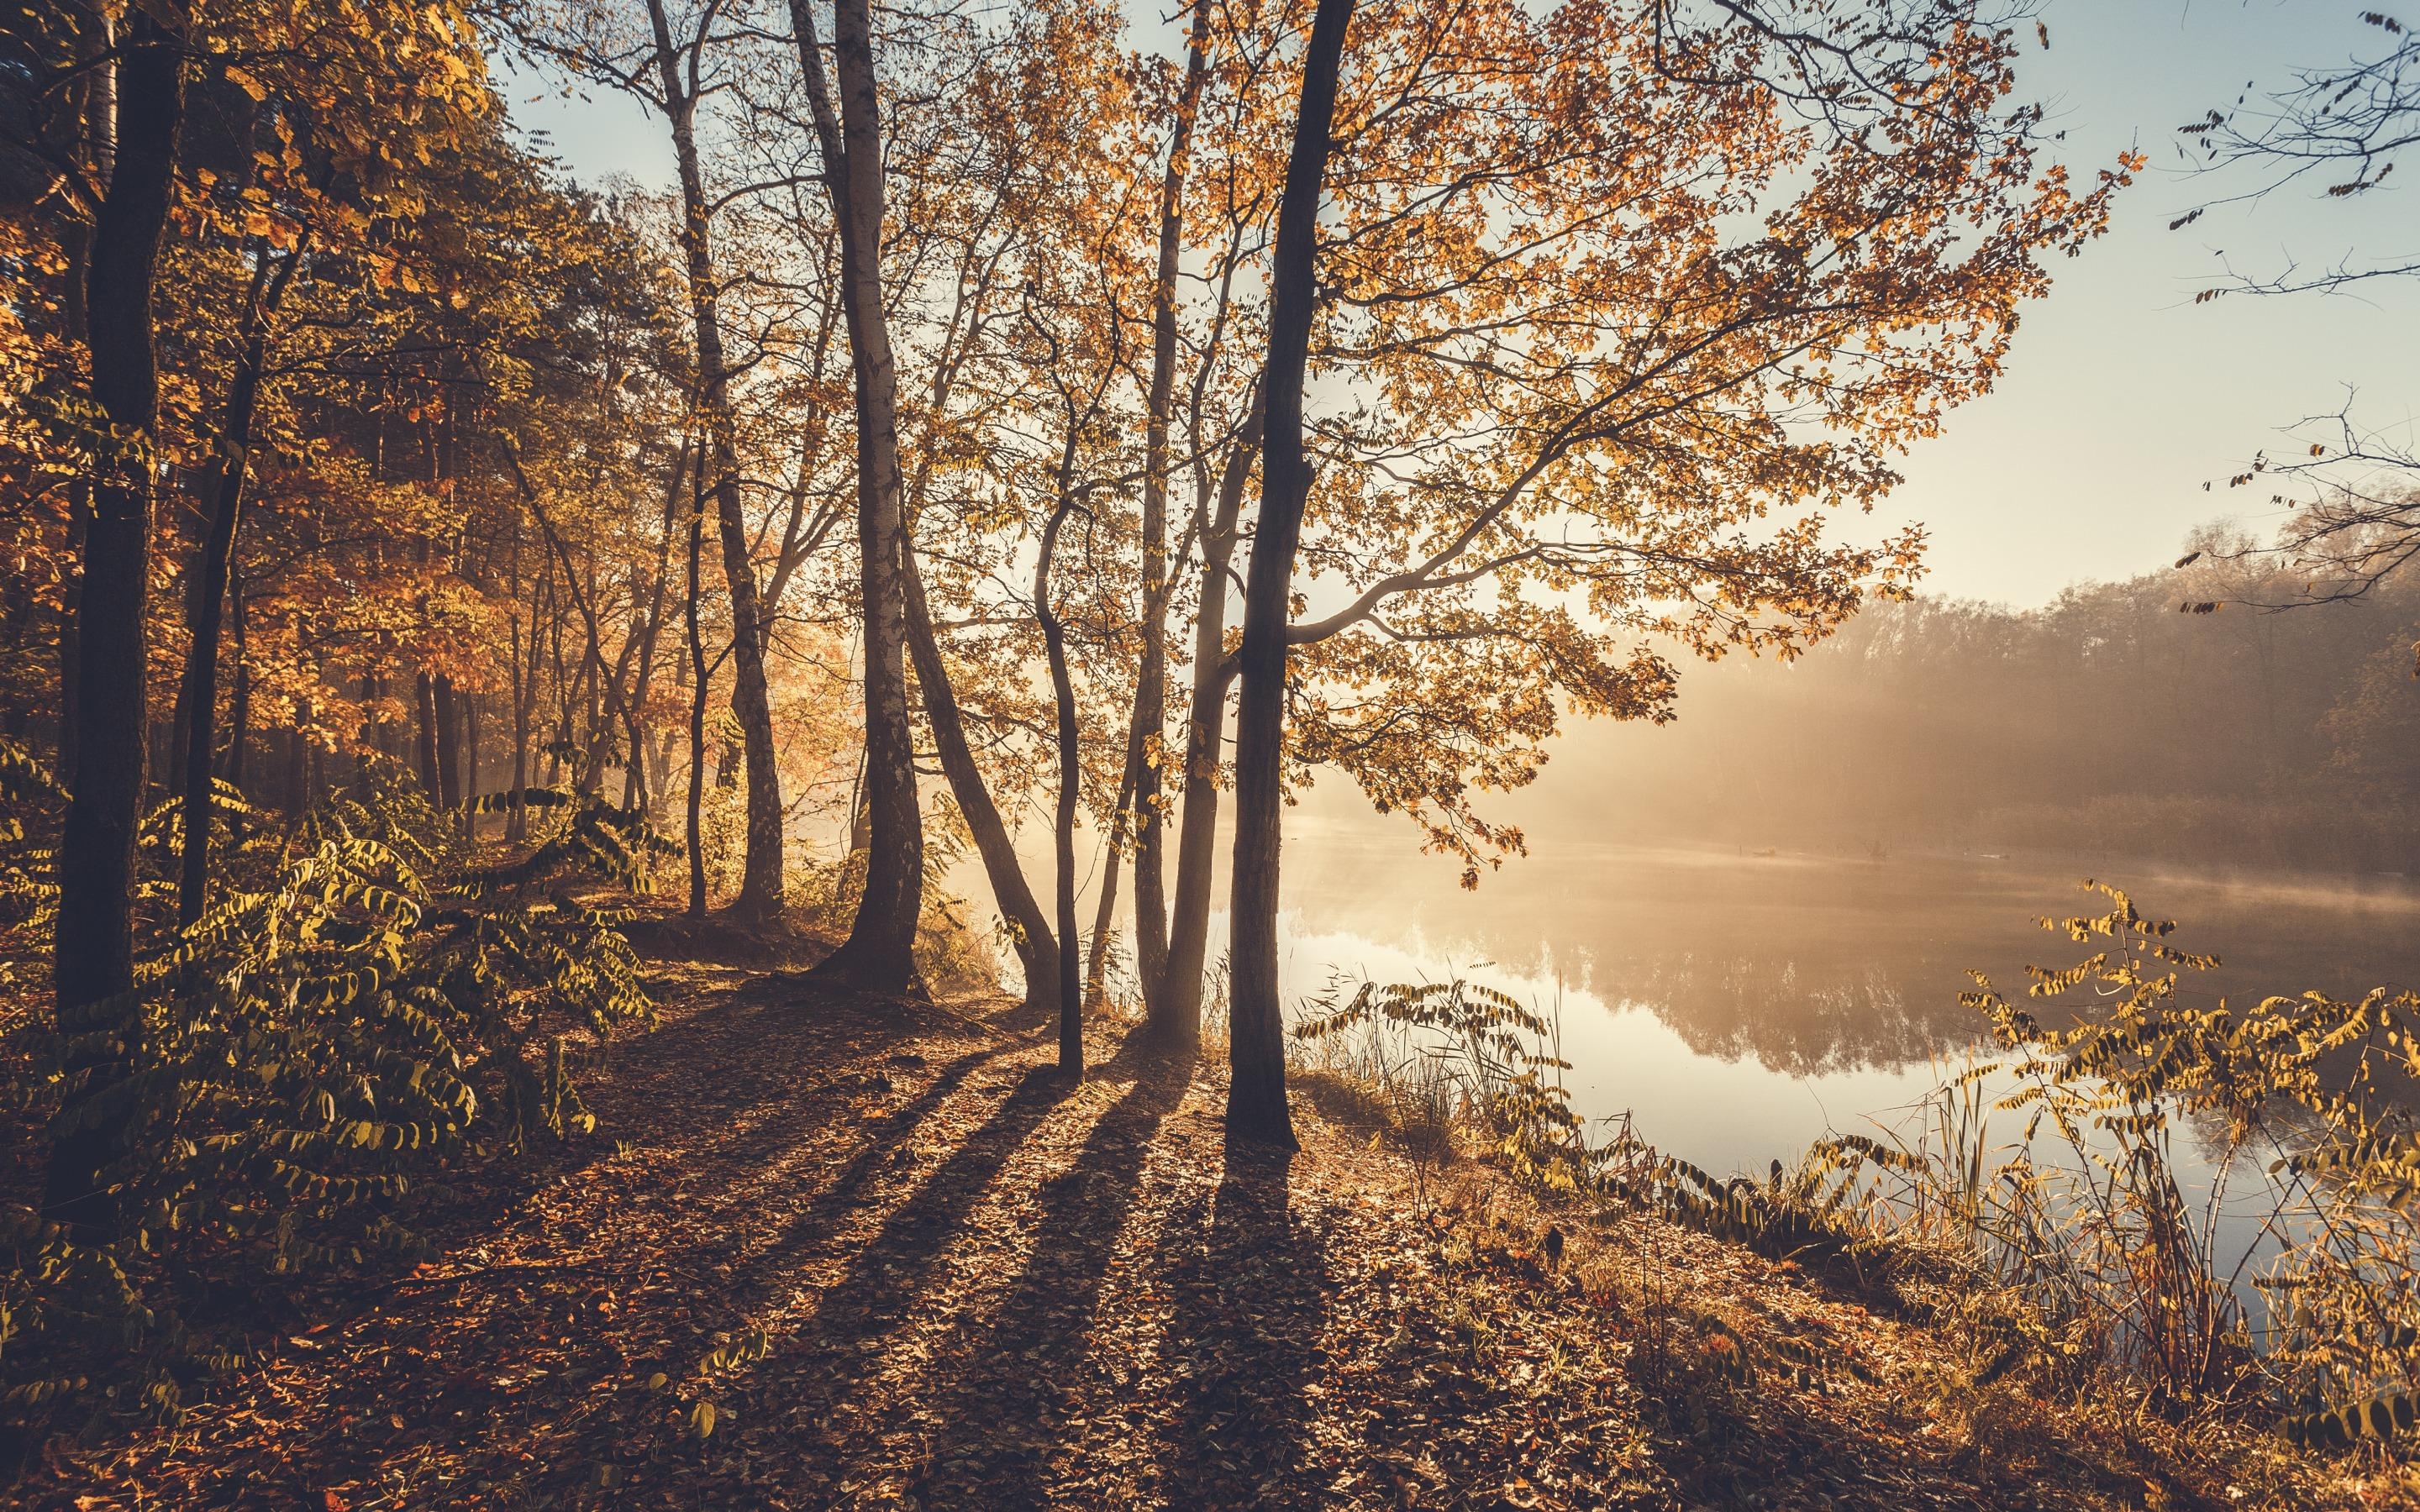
{"x":465,"y":1374}
{"x":757,"y":1255}
{"x":825,"y":1364}
{"x":707,"y":1101}
{"x":763,"y":1135}
{"x":1251,"y":1299}
{"x":845,"y":1192}
{"x":706,"y":1083}
{"x":1030,"y":1370}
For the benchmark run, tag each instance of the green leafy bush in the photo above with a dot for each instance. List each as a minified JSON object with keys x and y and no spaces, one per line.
{"x":359,"y":1006}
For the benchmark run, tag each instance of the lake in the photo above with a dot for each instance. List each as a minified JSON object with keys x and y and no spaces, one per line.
{"x":1741,"y":1006}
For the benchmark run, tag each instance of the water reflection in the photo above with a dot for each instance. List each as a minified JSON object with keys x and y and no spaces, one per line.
{"x":1743,"y":1006}
{"x":1789,"y":1021}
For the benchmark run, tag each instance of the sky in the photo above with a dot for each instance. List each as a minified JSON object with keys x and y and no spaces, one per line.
{"x":2121,"y":396}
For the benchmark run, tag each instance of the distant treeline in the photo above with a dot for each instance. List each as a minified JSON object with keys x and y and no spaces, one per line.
{"x":2115,"y":720}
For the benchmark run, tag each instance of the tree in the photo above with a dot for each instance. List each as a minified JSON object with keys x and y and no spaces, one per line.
{"x":1219,"y":509}
{"x":878,"y":956}
{"x":2354,"y":491}
{"x":1238,"y":119}
{"x":1071,"y":770}
{"x":273,"y":274}
{"x":327,"y":109}
{"x":1256,"y":1102}
{"x":93,"y":973}
{"x":1072,"y":266}
{"x":760,"y":893}
{"x":1029,"y":205}
{"x":674,"y":71}
{"x":1146,"y":754}
{"x":1615,"y":321}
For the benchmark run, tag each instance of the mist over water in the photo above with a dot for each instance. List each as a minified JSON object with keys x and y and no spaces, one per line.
{"x":1751,"y":926}
{"x":1755,"y":920}
{"x":1741,"y":1006}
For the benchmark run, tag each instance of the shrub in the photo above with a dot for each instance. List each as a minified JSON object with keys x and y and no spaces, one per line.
{"x":359,"y":1006}
{"x":2067,"y":1248}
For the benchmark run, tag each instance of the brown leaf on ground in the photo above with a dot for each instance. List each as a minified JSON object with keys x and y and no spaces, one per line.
{"x":831,"y":1252}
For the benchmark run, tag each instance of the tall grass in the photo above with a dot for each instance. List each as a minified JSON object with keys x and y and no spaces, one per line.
{"x":1449,"y":1062}
{"x":2039,"y":1205}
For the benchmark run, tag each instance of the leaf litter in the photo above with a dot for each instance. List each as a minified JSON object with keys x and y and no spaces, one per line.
{"x":827,"y":1252}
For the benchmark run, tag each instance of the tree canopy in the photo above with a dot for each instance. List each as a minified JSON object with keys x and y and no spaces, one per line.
{"x":403,"y":532}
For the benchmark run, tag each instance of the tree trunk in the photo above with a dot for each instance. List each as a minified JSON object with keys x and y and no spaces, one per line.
{"x":1037,"y":950}
{"x":524,"y":696}
{"x":640,"y":792}
{"x":879,"y":954}
{"x":469,"y":705}
{"x":1096,"y":954}
{"x":1176,"y":1014}
{"x":94,"y":47}
{"x":760,"y":885}
{"x":702,"y":676}
{"x":592,"y":685}
{"x":93,"y":961}
{"x":1071,"y":773}
{"x":444,"y":705}
{"x":1143,"y":752}
{"x":208,"y":583}
{"x":240,"y":701}
{"x":424,"y":689}
{"x":1256,"y":1101}
{"x":297,"y":775}
{"x":71,"y":617}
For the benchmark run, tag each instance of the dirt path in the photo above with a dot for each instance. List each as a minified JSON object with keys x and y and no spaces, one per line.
{"x":906,"y":1265}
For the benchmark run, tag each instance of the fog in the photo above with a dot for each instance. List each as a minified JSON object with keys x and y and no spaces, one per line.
{"x":1753,"y":923}
{"x":2105,"y":725}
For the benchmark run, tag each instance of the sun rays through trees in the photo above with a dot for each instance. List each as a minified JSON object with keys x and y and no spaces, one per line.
{"x":867,"y":589}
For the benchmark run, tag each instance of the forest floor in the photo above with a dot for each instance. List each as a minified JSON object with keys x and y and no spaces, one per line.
{"x":835,"y":1253}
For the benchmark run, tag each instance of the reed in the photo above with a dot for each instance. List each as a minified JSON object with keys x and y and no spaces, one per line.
{"x":2037,"y":1206}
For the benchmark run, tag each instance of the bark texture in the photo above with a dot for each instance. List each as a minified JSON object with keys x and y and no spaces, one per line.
{"x":1256,"y":1098}
{"x":93,"y":968}
{"x":879,"y":954}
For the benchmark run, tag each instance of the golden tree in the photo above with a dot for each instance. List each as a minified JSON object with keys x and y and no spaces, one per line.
{"x":1609,"y":306}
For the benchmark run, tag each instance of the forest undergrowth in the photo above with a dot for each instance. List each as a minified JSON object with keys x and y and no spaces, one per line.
{"x":835,"y":1250}
{"x":749,"y":1242}
{"x":475,"y":1176}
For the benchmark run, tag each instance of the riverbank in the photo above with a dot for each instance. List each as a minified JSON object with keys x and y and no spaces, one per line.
{"x":832,"y":1252}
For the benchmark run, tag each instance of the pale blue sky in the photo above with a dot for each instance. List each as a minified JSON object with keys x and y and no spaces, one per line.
{"x":2121,"y":396}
